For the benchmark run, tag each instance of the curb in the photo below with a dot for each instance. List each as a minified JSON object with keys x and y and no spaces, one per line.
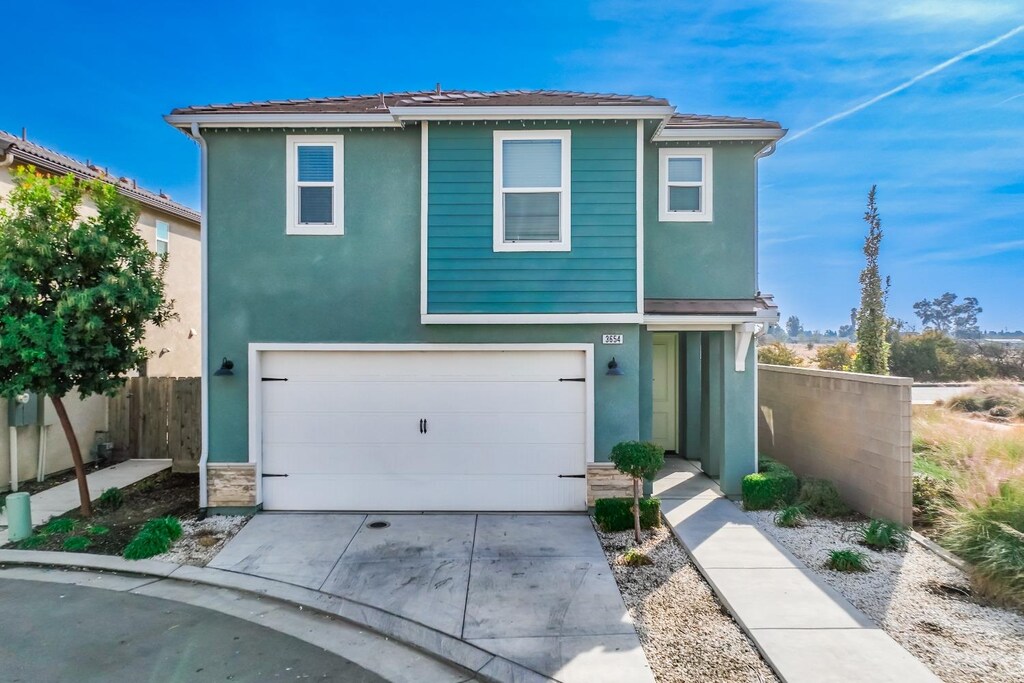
{"x":483,"y":664}
{"x":937,"y":549}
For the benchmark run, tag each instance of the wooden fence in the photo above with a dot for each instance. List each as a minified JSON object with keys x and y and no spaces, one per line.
{"x":158,"y":417}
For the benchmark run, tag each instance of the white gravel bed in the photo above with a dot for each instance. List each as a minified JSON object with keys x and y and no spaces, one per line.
{"x":919,"y":599}
{"x":202,"y":539}
{"x":685,"y":632}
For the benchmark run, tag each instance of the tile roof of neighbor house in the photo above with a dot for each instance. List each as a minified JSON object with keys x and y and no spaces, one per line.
{"x":707,"y":121}
{"x":49,"y":160}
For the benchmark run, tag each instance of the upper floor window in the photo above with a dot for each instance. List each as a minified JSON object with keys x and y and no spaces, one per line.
{"x":315,"y":185}
{"x":684,"y":184}
{"x":531,"y":191}
{"x":163,"y":238}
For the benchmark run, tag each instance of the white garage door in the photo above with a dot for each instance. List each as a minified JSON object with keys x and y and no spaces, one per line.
{"x":423,"y":430}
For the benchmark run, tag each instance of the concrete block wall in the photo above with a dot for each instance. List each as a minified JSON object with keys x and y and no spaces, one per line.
{"x":851,"y":428}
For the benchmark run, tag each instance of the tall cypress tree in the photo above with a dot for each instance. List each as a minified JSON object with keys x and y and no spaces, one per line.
{"x":872,"y":321}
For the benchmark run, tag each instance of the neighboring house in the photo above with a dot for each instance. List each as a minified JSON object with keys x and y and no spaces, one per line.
{"x":458,"y":300}
{"x":168,"y":227}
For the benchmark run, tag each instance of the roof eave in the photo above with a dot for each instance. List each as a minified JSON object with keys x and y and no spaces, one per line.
{"x":492,"y":113}
{"x":272,"y":120}
{"x":666,"y":134}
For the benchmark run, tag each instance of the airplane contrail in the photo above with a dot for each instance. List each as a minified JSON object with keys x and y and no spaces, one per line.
{"x":906,"y":84}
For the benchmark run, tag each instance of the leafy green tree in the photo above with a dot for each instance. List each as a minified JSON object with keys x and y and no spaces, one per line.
{"x":872,"y":321}
{"x":945,"y":315}
{"x":75,"y":294}
{"x":838,"y":356}
{"x":640,"y":460}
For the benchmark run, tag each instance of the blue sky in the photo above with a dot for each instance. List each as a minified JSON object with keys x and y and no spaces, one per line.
{"x":947,"y":153}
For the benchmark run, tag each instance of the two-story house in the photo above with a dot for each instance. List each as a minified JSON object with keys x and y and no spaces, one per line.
{"x":168,"y":227}
{"x":460,"y":300}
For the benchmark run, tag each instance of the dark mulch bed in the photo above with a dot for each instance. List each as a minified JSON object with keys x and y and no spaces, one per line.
{"x":159,"y":495}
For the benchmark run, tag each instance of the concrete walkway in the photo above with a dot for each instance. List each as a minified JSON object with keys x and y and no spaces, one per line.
{"x":807,"y":631}
{"x":535,"y":589}
{"x":62,"y":498}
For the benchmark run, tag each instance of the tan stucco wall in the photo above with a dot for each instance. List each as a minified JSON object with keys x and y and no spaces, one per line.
{"x":182,"y":282}
{"x":852,"y":429}
{"x":87,"y":417}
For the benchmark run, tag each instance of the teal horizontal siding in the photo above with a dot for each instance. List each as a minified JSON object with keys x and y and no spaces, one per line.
{"x":598,"y":275}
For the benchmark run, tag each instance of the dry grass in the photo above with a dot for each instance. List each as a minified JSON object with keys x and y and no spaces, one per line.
{"x":996,"y":401}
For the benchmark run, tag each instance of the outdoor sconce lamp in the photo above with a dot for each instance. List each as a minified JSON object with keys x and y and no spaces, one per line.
{"x":614,"y":369}
{"x":226,"y":366}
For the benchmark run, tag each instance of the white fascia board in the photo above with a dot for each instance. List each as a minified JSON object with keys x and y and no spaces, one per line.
{"x":460,"y":113}
{"x":702,"y":134}
{"x":674,"y":321}
{"x":257,"y":120}
{"x":529,"y":318}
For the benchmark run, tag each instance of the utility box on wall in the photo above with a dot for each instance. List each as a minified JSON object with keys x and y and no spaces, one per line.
{"x":26,"y":410}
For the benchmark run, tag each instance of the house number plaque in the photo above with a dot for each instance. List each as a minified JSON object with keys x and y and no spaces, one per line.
{"x":611,"y":338}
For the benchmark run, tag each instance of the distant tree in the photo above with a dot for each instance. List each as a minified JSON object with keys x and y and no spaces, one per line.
{"x":872,"y":321}
{"x":846,"y":331}
{"x":75,"y":295}
{"x":793,"y":326}
{"x":945,"y":315}
{"x":831,"y":333}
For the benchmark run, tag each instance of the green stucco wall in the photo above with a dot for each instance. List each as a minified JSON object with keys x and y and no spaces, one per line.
{"x":266,"y":286}
{"x":714,"y":260}
{"x":466,"y":275}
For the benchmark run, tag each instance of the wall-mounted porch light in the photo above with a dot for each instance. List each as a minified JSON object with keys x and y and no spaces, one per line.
{"x":226,"y":367}
{"x":614,"y":369}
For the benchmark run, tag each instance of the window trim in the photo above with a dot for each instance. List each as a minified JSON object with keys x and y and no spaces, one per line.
{"x":167,"y":242}
{"x":564,"y":242}
{"x":293,"y":227}
{"x":705,"y":215}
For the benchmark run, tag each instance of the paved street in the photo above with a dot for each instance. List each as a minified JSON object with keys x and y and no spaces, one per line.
{"x":54,"y":632}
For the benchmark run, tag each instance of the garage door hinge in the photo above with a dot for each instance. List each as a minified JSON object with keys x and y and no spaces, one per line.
{"x":274,"y":475}
{"x":572,"y":379}
{"x":570,"y":476}
{"x":273,"y":379}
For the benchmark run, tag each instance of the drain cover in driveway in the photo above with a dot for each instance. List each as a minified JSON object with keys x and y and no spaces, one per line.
{"x":378,"y":525}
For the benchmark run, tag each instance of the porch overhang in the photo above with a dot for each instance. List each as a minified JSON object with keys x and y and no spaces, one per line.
{"x":743,"y":317}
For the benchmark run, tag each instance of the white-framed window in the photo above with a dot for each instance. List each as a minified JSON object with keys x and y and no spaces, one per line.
{"x":532,"y":203}
{"x":684,"y":184}
{"x":163,"y":238}
{"x":316,"y":196}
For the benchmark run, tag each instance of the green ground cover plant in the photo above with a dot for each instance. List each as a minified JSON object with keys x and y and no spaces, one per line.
{"x":847,"y":561}
{"x":881,"y":534}
{"x":616,"y":514}
{"x":790,"y":516}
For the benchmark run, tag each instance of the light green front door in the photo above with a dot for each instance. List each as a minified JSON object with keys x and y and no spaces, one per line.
{"x":665,"y":422}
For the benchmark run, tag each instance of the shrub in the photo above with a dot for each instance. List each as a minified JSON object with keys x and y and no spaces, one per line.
{"x":774,"y":487}
{"x":847,"y":561}
{"x":989,"y":533}
{"x":111,"y":499}
{"x":838,"y":356}
{"x":33,"y":541}
{"x":766,"y":464}
{"x":634,"y":557}
{"x":616,"y":514}
{"x":60,"y":525}
{"x":994,"y":398}
{"x":778,"y":353}
{"x":169,"y":527}
{"x":881,"y":534}
{"x":640,"y":460}
{"x":821,"y":497}
{"x":76,"y":544}
{"x":790,"y":516}
{"x":146,"y":544}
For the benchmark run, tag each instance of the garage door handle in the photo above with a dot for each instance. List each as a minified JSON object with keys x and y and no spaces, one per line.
{"x":273,"y":379}
{"x":423,"y":426}
{"x":274,"y":475}
{"x":572,"y":379}
{"x":572,"y":476}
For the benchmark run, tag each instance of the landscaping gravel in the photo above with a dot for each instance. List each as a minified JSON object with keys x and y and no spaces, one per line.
{"x":201,"y":539}
{"x":685,"y":632}
{"x":920,"y":600}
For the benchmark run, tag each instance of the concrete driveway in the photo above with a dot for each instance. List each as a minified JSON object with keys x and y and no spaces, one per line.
{"x":535,"y":589}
